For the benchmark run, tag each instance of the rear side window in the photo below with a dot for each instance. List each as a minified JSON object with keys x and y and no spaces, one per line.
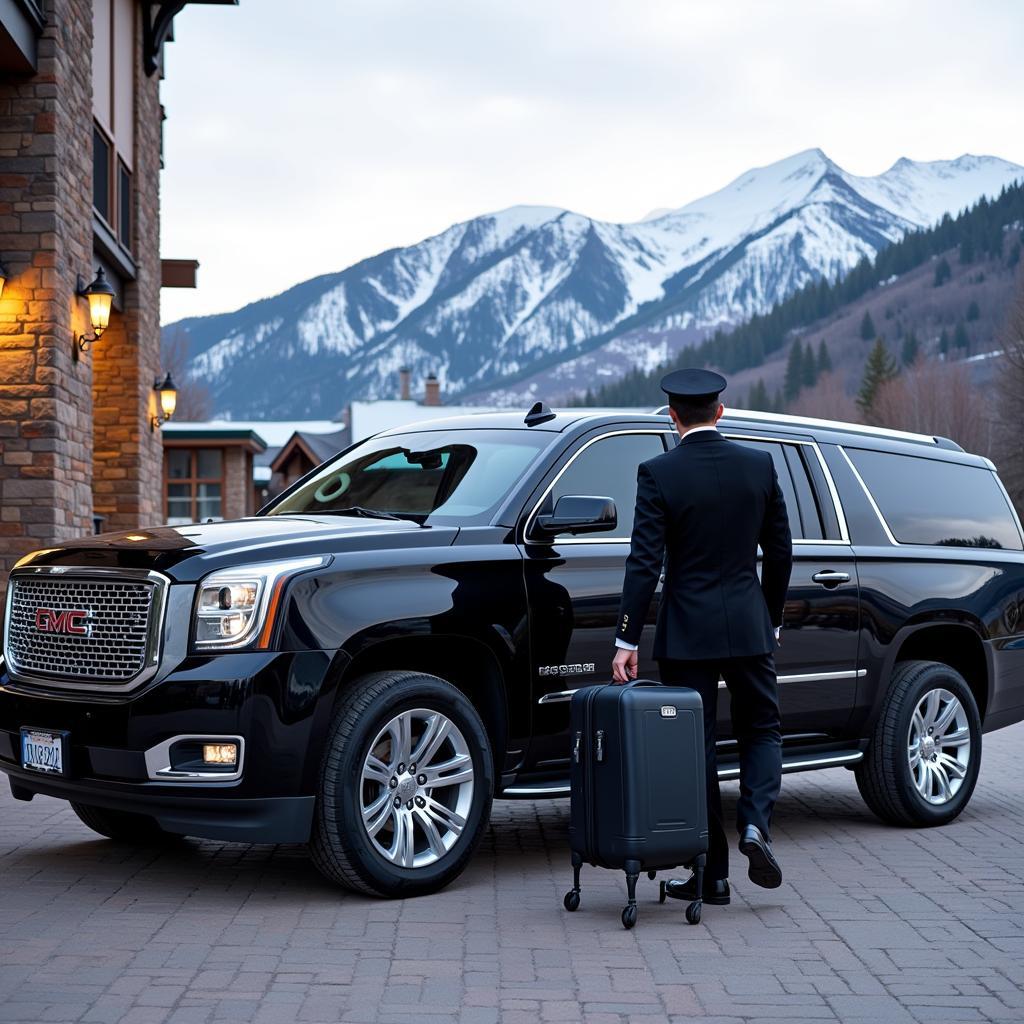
{"x":925,"y":501}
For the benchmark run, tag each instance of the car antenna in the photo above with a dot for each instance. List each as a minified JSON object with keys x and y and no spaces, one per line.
{"x":539,"y":413}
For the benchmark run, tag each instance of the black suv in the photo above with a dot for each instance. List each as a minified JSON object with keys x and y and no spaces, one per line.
{"x":395,"y":639}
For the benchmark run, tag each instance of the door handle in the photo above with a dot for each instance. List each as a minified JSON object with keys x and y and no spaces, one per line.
{"x":831,"y":578}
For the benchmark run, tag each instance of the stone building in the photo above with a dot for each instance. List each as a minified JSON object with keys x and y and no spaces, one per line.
{"x":80,"y":159}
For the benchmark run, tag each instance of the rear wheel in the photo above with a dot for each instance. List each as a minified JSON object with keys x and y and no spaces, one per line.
{"x":922,"y":763}
{"x":123,"y":826}
{"x":405,"y":786}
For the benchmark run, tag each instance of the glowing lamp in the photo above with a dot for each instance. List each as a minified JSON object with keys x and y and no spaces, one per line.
{"x":167,"y":399}
{"x":100,"y":295}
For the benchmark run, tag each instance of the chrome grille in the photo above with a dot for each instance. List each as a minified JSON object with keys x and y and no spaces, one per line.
{"x":109,"y":643}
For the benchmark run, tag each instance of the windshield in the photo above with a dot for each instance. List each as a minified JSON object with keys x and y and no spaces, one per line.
{"x":431,"y":476}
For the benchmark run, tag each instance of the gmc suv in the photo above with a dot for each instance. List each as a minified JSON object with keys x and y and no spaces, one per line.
{"x":394,"y":641}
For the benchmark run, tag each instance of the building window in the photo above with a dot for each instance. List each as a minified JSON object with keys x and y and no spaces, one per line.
{"x":113,"y":105}
{"x":101,"y":154}
{"x":194,"y":485}
{"x":124,"y":205}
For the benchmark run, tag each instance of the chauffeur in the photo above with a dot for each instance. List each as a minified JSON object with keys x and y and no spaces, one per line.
{"x":702,"y":509}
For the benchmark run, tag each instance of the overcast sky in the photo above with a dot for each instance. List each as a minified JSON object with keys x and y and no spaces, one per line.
{"x":304,"y":136}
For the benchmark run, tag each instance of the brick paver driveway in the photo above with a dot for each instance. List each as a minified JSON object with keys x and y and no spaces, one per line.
{"x":872,"y":924}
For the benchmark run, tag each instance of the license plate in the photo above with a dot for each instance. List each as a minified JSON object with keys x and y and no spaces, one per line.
{"x":43,"y":751}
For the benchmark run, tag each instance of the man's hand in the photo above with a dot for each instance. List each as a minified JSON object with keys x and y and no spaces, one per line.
{"x":624,"y":666}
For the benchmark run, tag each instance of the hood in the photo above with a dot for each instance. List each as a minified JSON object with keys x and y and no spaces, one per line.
{"x":186,"y":553}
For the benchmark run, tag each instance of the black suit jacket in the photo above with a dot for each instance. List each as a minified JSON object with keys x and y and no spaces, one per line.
{"x":701,"y":510}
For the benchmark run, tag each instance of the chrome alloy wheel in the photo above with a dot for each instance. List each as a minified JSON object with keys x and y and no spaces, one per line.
{"x":417,"y":788}
{"x":939,"y":746}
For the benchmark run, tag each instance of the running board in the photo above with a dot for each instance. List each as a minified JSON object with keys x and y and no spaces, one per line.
{"x":558,"y":788}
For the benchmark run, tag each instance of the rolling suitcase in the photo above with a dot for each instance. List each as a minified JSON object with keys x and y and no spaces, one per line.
{"x":638,"y":796}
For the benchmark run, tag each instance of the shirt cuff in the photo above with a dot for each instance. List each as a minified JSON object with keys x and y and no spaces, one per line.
{"x":624,"y":645}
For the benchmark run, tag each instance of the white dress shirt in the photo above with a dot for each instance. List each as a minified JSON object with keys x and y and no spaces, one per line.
{"x":632,"y":647}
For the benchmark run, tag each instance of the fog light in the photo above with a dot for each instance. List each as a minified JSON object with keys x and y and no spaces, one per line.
{"x":220,"y":753}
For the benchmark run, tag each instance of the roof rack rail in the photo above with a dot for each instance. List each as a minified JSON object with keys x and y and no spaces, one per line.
{"x":852,"y":428}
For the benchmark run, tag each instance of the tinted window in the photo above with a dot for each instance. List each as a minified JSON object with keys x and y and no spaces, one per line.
{"x":607,"y":469}
{"x":925,"y":501}
{"x":455,"y":475}
{"x":774,"y":449}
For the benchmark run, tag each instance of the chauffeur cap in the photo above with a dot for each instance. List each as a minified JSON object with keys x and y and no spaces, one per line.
{"x":693,"y":385}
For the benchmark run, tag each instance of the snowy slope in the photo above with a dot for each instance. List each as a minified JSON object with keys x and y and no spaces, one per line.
{"x":512,"y":294}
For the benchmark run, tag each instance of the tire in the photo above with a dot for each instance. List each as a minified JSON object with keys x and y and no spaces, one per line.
{"x":425,"y":840}
{"x":907,"y":790}
{"x":123,"y":826}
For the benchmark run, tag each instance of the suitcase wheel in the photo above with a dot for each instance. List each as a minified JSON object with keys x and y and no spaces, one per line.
{"x":629,"y":916}
{"x":652,"y":875}
{"x":572,"y":900}
{"x":693,"y":912}
{"x":661,"y":893}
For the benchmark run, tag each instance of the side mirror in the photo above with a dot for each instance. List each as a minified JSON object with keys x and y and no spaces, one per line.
{"x":578,"y":513}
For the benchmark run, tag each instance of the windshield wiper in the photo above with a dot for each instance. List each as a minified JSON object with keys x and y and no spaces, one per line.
{"x":367,"y":513}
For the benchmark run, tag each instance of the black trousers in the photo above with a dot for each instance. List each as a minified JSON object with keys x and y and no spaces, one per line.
{"x":754,"y":706}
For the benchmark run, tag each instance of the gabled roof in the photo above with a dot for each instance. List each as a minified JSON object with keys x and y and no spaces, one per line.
{"x":316,"y":447}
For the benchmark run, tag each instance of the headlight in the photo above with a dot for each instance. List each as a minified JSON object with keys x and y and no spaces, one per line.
{"x":236,"y":607}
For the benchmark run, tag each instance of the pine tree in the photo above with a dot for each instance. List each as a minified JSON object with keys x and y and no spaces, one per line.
{"x":961,"y":339}
{"x":778,"y":402}
{"x":973,"y":312}
{"x":824,"y":359}
{"x":944,"y":342}
{"x":943,"y":272}
{"x":867,"y":327}
{"x":967,"y":250}
{"x":1014,"y":257}
{"x":794,"y":371}
{"x":879,"y":368}
{"x":911,"y":349}
{"x":810,"y":368}
{"x":758,"y":397}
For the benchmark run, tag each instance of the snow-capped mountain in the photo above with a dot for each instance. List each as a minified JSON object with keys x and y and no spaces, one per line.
{"x":506,"y":302}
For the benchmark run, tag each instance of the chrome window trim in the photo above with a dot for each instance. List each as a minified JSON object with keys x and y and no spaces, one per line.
{"x":844,"y":536}
{"x":870,"y":497}
{"x":158,"y":766}
{"x":560,"y":696}
{"x":656,"y":431}
{"x":154,"y":640}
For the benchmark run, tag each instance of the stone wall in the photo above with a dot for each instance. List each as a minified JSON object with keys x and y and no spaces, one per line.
{"x":128,"y":455}
{"x":46,"y":241}
{"x":69,"y":428}
{"x":238,"y":493}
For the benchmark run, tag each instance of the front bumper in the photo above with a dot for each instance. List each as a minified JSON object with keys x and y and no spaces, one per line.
{"x":280,"y":703}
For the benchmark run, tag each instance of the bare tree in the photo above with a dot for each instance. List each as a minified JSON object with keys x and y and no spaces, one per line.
{"x":827,"y":400}
{"x":1010,"y":400}
{"x":194,"y":400}
{"x":935,"y":398}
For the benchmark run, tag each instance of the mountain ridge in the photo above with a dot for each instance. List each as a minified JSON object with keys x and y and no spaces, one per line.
{"x":499,"y":297}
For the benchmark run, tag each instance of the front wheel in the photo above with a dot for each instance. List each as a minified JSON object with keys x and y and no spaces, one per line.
{"x":922,"y":763}
{"x":405,"y":786}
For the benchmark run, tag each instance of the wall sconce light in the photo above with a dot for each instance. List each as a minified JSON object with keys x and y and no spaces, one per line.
{"x":167,"y":400}
{"x":4,"y":274}
{"x":100,"y":294}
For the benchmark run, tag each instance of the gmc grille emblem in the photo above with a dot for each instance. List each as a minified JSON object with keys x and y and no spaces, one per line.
{"x":50,"y":621}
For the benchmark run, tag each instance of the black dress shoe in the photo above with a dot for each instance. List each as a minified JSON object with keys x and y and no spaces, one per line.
{"x":764,"y":869}
{"x":716,"y":890}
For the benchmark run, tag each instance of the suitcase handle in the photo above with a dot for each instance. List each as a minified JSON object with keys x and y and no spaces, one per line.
{"x":637,"y":682}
